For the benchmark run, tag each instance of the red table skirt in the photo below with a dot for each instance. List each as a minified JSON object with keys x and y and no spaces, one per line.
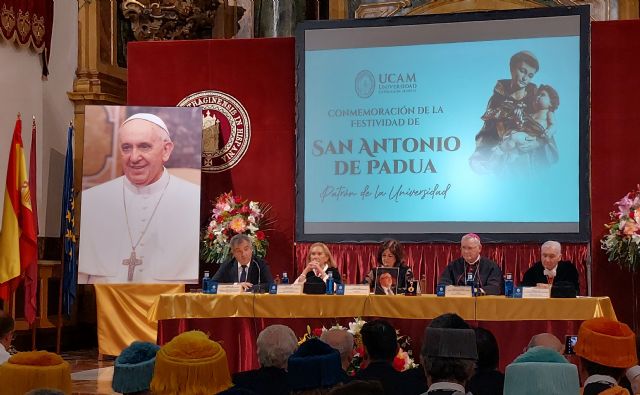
{"x":238,"y":335}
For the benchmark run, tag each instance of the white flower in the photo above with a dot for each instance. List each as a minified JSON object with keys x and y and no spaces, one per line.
{"x":355,"y":327}
{"x":254,"y":206}
{"x":251,"y":219}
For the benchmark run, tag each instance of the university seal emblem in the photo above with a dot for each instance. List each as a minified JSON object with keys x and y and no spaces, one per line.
{"x":365,"y":84}
{"x":226,"y":129}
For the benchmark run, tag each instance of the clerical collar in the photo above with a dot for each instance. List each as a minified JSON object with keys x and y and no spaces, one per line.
{"x":448,"y":386}
{"x":600,"y":378}
{"x":151,"y":189}
{"x":474,"y":262}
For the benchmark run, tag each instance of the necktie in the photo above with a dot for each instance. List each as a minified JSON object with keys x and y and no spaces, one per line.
{"x":389,"y":291}
{"x":243,"y":274}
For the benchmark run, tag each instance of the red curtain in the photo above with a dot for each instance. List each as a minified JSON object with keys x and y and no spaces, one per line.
{"x":428,"y":260}
{"x":615,"y":54}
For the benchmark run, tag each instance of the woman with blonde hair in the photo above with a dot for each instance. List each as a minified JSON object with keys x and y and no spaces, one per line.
{"x":319,"y":263}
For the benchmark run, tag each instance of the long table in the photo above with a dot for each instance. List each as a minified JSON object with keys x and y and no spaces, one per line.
{"x":235,"y":320}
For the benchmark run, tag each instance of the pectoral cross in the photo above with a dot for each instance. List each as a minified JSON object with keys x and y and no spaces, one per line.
{"x":132,"y":262}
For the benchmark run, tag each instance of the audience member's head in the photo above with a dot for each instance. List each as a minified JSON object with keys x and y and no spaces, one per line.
{"x":133,"y":369}
{"x":488,"y":352}
{"x":380,"y":340}
{"x":449,"y":355}
{"x":275,"y":345}
{"x":6,"y":330}
{"x":605,"y":347}
{"x":449,"y":320}
{"x":314,"y":368}
{"x":359,"y":387}
{"x":546,"y":340}
{"x":541,"y":370}
{"x":31,"y":370}
{"x":191,"y":364}
{"x":341,"y":340}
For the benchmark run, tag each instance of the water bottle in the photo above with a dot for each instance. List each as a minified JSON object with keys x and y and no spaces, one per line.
{"x":330,"y":283}
{"x":508,"y":285}
{"x":469,"y":279}
{"x":285,"y":278}
{"x":206,"y":281}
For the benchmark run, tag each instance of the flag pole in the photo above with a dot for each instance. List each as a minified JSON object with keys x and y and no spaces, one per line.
{"x":34,"y":325}
{"x":59,"y":319}
{"x":60,"y":288}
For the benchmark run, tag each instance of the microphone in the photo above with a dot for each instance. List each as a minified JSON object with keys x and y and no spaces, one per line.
{"x":256,"y":288}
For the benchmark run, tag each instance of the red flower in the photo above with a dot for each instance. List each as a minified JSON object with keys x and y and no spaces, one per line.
{"x":260,"y":235}
{"x":317,"y":332}
{"x":632,"y":214}
{"x":245,"y":210}
{"x":210,"y":236}
{"x":398,"y":364}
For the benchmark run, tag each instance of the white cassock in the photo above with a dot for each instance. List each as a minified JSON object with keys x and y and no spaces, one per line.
{"x":169,"y":249}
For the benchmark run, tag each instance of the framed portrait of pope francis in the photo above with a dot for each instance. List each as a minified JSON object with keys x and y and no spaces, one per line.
{"x":140,"y":201}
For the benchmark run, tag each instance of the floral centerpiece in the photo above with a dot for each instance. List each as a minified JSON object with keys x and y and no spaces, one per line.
{"x":622,"y":242}
{"x":401,"y":362}
{"x":232,"y":215}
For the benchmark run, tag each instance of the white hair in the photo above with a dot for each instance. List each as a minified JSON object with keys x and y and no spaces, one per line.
{"x":275,"y":345}
{"x":471,"y":236}
{"x":552,"y":244}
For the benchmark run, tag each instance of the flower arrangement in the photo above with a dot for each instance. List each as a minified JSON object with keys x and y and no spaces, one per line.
{"x":622,"y":242}
{"x":232,"y":215}
{"x":401,"y":362}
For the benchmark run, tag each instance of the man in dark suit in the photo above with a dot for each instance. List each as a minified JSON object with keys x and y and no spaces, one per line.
{"x":275,"y":345}
{"x":244,"y":268}
{"x":551,"y":270}
{"x":381,"y":346}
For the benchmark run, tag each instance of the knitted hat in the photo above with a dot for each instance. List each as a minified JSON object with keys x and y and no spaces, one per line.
{"x":133,"y":369}
{"x":191,"y":364}
{"x":34,"y":369}
{"x":607,"y":342}
{"x":314,"y":365}
{"x":450,"y":343}
{"x":541,"y":370}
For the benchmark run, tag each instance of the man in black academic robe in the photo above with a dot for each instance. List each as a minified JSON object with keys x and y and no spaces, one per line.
{"x":486,"y":273}
{"x":550,"y":269}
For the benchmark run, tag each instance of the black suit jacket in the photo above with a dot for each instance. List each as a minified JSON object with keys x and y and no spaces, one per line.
{"x":263,"y":381}
{"x":228,"y":272}
{"x":565,"y":271}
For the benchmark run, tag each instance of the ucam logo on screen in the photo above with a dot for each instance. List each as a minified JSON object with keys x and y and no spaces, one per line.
{"x":366,"y":83}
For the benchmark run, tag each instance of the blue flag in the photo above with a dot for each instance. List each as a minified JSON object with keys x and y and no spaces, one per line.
{"x":67,"y":232}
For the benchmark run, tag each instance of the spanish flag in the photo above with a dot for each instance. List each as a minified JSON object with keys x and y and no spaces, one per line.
{"x":18,"y":240}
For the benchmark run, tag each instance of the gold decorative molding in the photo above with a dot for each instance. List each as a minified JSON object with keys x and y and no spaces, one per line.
{"x":99,"y":79}
{"x":601,"y":10}
{"x":381,"y":10}
{"x":170,"y":19}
